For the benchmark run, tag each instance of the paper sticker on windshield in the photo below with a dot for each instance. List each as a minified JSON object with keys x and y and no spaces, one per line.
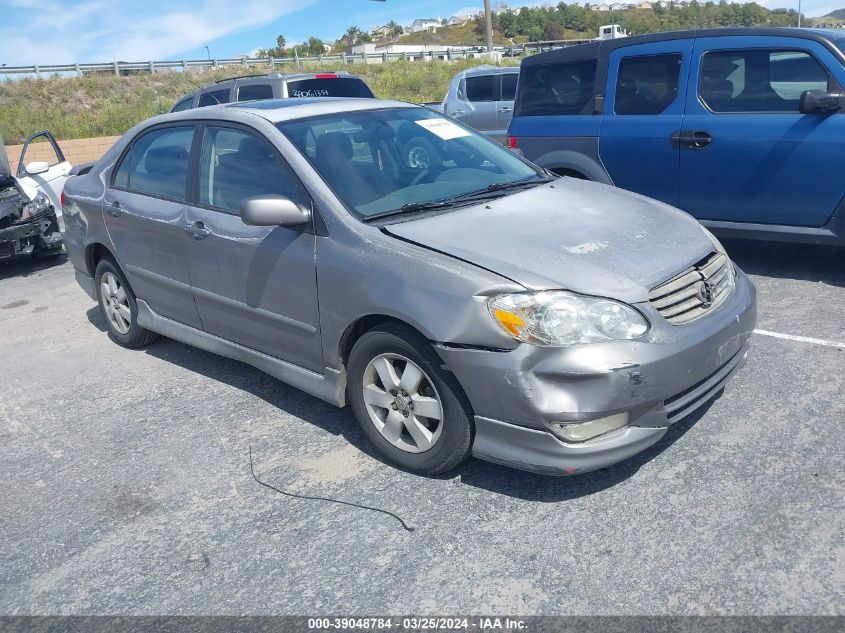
{"x":443,"y":128}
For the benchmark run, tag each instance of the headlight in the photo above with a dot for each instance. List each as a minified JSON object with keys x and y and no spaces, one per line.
{"x":559,"y":317}
{"x":36,"y":206}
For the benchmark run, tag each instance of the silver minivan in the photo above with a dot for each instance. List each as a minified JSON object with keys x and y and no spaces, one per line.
{"x":478,"y":305}
{"x":483,"y":98}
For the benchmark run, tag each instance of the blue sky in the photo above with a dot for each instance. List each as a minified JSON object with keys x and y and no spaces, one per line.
{"x":68,"y":31}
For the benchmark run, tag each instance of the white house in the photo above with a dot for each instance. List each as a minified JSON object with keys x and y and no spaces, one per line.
{"x":424,"y":24}
{"x":457,"y":20}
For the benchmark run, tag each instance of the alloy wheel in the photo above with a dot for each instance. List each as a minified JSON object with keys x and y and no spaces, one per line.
{"x":115,"y":303}
{"x":402,"y":403}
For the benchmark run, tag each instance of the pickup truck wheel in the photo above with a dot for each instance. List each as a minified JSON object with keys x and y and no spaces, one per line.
{"x":118,"y":306}
{"x":421,"y":154}
{"x":409,"y":407}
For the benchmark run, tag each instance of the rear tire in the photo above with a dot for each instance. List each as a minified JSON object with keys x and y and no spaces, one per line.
{"x":118,"y":306}
{"x":418,"y":417}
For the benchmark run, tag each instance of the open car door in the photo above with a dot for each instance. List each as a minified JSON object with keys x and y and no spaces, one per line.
{"x":47,"y":169}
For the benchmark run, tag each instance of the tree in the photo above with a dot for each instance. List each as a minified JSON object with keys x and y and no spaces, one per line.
{"x":352,"y":35}
{"x":395,"y":29}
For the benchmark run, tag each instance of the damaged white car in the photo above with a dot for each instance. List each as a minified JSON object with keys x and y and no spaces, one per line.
{"x":30,"y":202}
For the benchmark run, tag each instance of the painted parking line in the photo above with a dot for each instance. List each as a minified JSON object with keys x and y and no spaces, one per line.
{"x":801,"y":339}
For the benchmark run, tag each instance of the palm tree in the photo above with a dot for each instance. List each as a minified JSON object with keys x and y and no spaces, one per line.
{"x":352,"y":34}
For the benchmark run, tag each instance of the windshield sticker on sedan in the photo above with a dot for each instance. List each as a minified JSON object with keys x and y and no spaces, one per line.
{"x":443,"y":128}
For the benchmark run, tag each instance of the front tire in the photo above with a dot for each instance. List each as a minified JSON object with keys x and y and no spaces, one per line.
{"x":410,"y":408}
{"x":118,"y":306}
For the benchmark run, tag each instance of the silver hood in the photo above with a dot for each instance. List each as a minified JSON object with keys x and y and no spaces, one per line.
{"x":570,"y":234}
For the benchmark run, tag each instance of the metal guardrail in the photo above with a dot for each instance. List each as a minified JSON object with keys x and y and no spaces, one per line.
{"x":119,"y":68}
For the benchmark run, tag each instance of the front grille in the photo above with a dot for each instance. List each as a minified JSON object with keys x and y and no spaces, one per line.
{"x":682,"y":404}
{"x":696,"y":291}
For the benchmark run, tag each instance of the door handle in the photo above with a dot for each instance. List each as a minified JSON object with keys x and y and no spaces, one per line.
{"x":698,"y":139}
{"x":701,"y":139}
{"x":505,"y":109}
{"x":114,"y":208}
{"x":198,"y":230}
{"x":459,"y":111}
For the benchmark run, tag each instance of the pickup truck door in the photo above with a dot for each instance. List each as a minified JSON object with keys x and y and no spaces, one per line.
{"x":643,"y":109}
{"x":43,"y":147}
{"x":749,"y":155}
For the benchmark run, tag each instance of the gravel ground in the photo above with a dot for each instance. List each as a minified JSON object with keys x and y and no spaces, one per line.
{"x":126,"y":484}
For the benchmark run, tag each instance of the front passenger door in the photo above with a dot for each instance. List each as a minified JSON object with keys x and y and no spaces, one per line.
{"x":253,"y":285}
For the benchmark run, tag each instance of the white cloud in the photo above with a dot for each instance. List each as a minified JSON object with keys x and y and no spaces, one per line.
{"x":101,"y":30}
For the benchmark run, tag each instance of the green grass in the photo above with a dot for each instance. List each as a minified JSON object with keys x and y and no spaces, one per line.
{"x":103,"y":105}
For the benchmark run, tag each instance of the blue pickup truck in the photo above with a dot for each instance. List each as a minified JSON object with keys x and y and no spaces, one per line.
{"x":742,"y":128}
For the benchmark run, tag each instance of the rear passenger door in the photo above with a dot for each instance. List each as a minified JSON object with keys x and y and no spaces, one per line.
{"x":144,"y":208}
{"x":253,"y":285}
{"x":480,"y":97}
{"x":643,"y":113}
{"x":760,"y":160}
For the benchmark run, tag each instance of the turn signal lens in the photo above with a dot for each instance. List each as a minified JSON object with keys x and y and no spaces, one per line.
{"x":583,"y":431}
{"x":511,"y":322}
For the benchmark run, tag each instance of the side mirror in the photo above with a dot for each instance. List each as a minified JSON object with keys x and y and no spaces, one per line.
{"x":37,"y":167}
{"x":819,"y":102}
{"x":273,"y":211}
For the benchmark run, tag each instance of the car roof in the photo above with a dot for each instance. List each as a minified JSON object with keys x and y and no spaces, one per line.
{"x":278,"y":77}
{"x":278,"y":110}
{"x":602,"y":48}
{"x":490,"y":70}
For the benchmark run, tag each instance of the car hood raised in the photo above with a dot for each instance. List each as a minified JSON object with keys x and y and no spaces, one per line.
{"x":570,"y":234}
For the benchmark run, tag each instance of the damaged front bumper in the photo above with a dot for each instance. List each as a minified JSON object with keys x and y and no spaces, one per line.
{"x":658,"y":380}
{"x":38,"y":235}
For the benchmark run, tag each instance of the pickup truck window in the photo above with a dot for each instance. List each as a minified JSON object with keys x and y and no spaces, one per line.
{"x":555,"y":89}
{"x":647,"y":84}
{"x":759,"y":80}
{"x":481,"y":88}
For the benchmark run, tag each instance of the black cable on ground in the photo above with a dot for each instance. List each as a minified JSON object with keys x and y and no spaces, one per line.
{"x":310,"y":498}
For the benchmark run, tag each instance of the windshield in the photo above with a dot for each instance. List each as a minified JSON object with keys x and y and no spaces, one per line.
{"x":329,"y":86}
{"x":404,"y":159}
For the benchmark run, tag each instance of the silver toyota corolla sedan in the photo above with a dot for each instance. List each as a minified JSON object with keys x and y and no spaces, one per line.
{"x":477,"y":305}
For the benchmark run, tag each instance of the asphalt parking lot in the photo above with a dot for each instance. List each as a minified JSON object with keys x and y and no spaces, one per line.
{"x":126,"y":485}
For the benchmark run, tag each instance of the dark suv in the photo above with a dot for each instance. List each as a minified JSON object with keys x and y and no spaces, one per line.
{"x":742,"y":128}
{"x":275,"y":86}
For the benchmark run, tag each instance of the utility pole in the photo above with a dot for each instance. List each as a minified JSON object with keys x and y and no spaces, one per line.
{"x":799,"y":14}
{"x":488,"y":25}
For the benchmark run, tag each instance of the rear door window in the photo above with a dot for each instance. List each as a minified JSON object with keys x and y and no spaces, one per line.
{"x":481,"y":88}
{"x":760,"y":80}
{"x":647,"y":84}
{"x":509,"y":86}
{"x":213,"y":98}
{"x":554,"y":89}
{"x":255,"y":92}
{"x":329,"y":86}
{"x":157,"y":163}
